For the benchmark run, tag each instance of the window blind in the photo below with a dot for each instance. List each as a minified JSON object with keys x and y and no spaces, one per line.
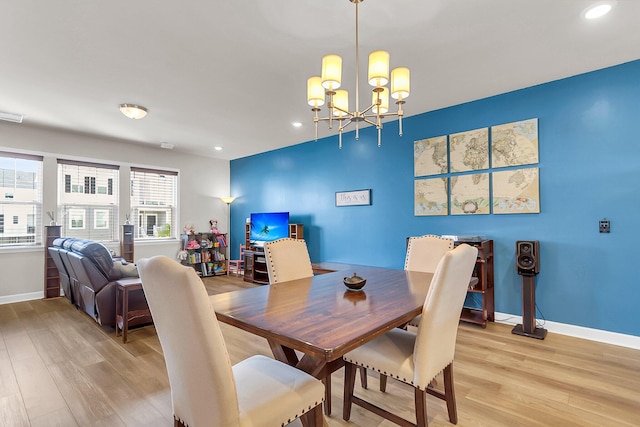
{"x":153,"y":203}
{"x":20,"y":199}
{"x":88,"y":200}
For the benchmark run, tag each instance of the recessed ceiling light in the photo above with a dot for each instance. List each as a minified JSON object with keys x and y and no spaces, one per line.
{"x":597,"y":10}
{"x":167,"y":145}
{"x":133,"y":111}
{"x":217,"y":148}
{"x":296,"y":124}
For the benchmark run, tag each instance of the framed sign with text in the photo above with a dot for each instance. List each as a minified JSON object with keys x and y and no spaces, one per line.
{"x":353,"y":198}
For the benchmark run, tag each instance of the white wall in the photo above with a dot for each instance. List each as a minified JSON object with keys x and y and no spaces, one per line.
{"x":201,"y":179}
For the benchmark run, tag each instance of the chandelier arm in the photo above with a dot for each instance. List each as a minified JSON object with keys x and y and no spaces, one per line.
{"x":349,"y":113}
{"x":347,"y":123}
{"x":365,"y":111}
{"x":366,"y":120}
{"x":382,"y":115}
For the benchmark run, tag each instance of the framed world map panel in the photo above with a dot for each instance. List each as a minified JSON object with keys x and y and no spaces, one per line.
{"x":516,"y":191}
{"x":430,"y":156}
{"x":470,"y":194}
{"x":515,"y":144}
{"x":430,"y":196}
{"x":469,"y":150}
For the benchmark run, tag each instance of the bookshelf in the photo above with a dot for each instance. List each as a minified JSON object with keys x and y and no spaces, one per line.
{"x":126,"y":242}
{"x":483,"y":270}
{"x":206,"y":253}
{"x":51,"y":274}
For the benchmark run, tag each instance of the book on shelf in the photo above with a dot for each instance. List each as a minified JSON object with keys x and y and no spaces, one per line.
{"x":222,"y":240}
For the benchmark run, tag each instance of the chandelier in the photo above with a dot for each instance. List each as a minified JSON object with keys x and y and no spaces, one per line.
{"x":319,"y":88}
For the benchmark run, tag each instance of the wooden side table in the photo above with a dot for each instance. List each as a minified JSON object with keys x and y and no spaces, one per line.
{"x":123,"y":315}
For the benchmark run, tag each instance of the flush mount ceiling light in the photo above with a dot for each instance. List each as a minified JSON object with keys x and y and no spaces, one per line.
{"x":133,"y":111}
{"x":599,"y":9}
{"x":326,"y":85}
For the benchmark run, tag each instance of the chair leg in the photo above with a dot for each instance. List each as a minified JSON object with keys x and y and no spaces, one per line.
{"x":327,"y":394}
{"x":420,"y":397}
{"x":383,"y":383}
{"x":313,"y":418}
{"x":363,"y":377}
{"x":450,"y":395}
{"x":349,"y":384}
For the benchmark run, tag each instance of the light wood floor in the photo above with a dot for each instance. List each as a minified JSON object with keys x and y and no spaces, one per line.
{"x":59,"y":368}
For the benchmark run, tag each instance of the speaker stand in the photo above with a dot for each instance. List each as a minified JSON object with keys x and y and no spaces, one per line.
{"x":528,"y":326}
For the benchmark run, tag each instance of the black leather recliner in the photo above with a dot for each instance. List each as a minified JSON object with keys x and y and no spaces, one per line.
{"x":88,"y":276}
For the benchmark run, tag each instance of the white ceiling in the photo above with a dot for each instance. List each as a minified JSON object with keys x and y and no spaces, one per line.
{"x":233,"y":73}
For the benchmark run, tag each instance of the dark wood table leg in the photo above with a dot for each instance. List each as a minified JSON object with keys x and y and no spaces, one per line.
{"x":125,"y":314}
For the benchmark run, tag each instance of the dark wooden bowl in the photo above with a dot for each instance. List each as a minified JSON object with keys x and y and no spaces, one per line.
{"x":354,"y":282}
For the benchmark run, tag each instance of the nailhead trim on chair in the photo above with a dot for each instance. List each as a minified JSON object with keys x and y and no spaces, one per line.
{"x":303,"y":412}
{"x":275,"y":274}
{"x":404,"y":380}
{"x":289,"y":421}
{"x":418,"y":237}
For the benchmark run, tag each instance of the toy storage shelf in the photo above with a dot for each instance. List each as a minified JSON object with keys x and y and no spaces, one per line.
{"x":206,"y":253}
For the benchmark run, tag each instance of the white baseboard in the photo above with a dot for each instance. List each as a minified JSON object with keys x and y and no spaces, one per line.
{"x":623,"y":340}
{"x":8,"y":299}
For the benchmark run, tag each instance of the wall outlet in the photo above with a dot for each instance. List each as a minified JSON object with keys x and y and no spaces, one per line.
{"x":605,"y":226}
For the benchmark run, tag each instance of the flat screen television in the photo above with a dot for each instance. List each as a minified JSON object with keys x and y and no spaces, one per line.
{"x":268,"y":226}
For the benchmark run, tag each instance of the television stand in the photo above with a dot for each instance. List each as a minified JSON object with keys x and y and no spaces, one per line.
{"x":255,"y":266}
{"x":255,"y":263}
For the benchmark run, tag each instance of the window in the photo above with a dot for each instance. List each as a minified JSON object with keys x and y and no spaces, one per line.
{"x":31,"y":223}
{"x":153,"y":203}
{"x":76,"y":219}
{"x":88,"y":200}
{"x":101,"y":218}
{"x":20,"y":197}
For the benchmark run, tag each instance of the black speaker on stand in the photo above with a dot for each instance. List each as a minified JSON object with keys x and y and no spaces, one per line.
{"x":528,"y":266}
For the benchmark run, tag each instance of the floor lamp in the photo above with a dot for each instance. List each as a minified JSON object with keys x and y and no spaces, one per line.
{"x":228,"y":200}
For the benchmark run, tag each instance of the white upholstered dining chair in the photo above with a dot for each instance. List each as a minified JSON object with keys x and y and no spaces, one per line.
{"x":206,"y":390}
{"x":423,"y":254}
{"x":416,"y":358}
{"x":287,"y":259}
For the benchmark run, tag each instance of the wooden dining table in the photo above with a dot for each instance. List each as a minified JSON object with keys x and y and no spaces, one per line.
{"x":320,"y":317}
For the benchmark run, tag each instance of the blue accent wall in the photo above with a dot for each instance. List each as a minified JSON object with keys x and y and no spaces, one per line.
{"x":589,"y":151}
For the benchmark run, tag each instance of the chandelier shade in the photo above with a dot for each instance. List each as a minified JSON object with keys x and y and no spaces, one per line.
{"x":331,"y":72}
{"x":400,"y":83}
{"x":341,"y":103}
{"x":379,"y":68}
{"x":315,"y":92}
{"x":324,"y":89}
{"x":383,"y":95}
